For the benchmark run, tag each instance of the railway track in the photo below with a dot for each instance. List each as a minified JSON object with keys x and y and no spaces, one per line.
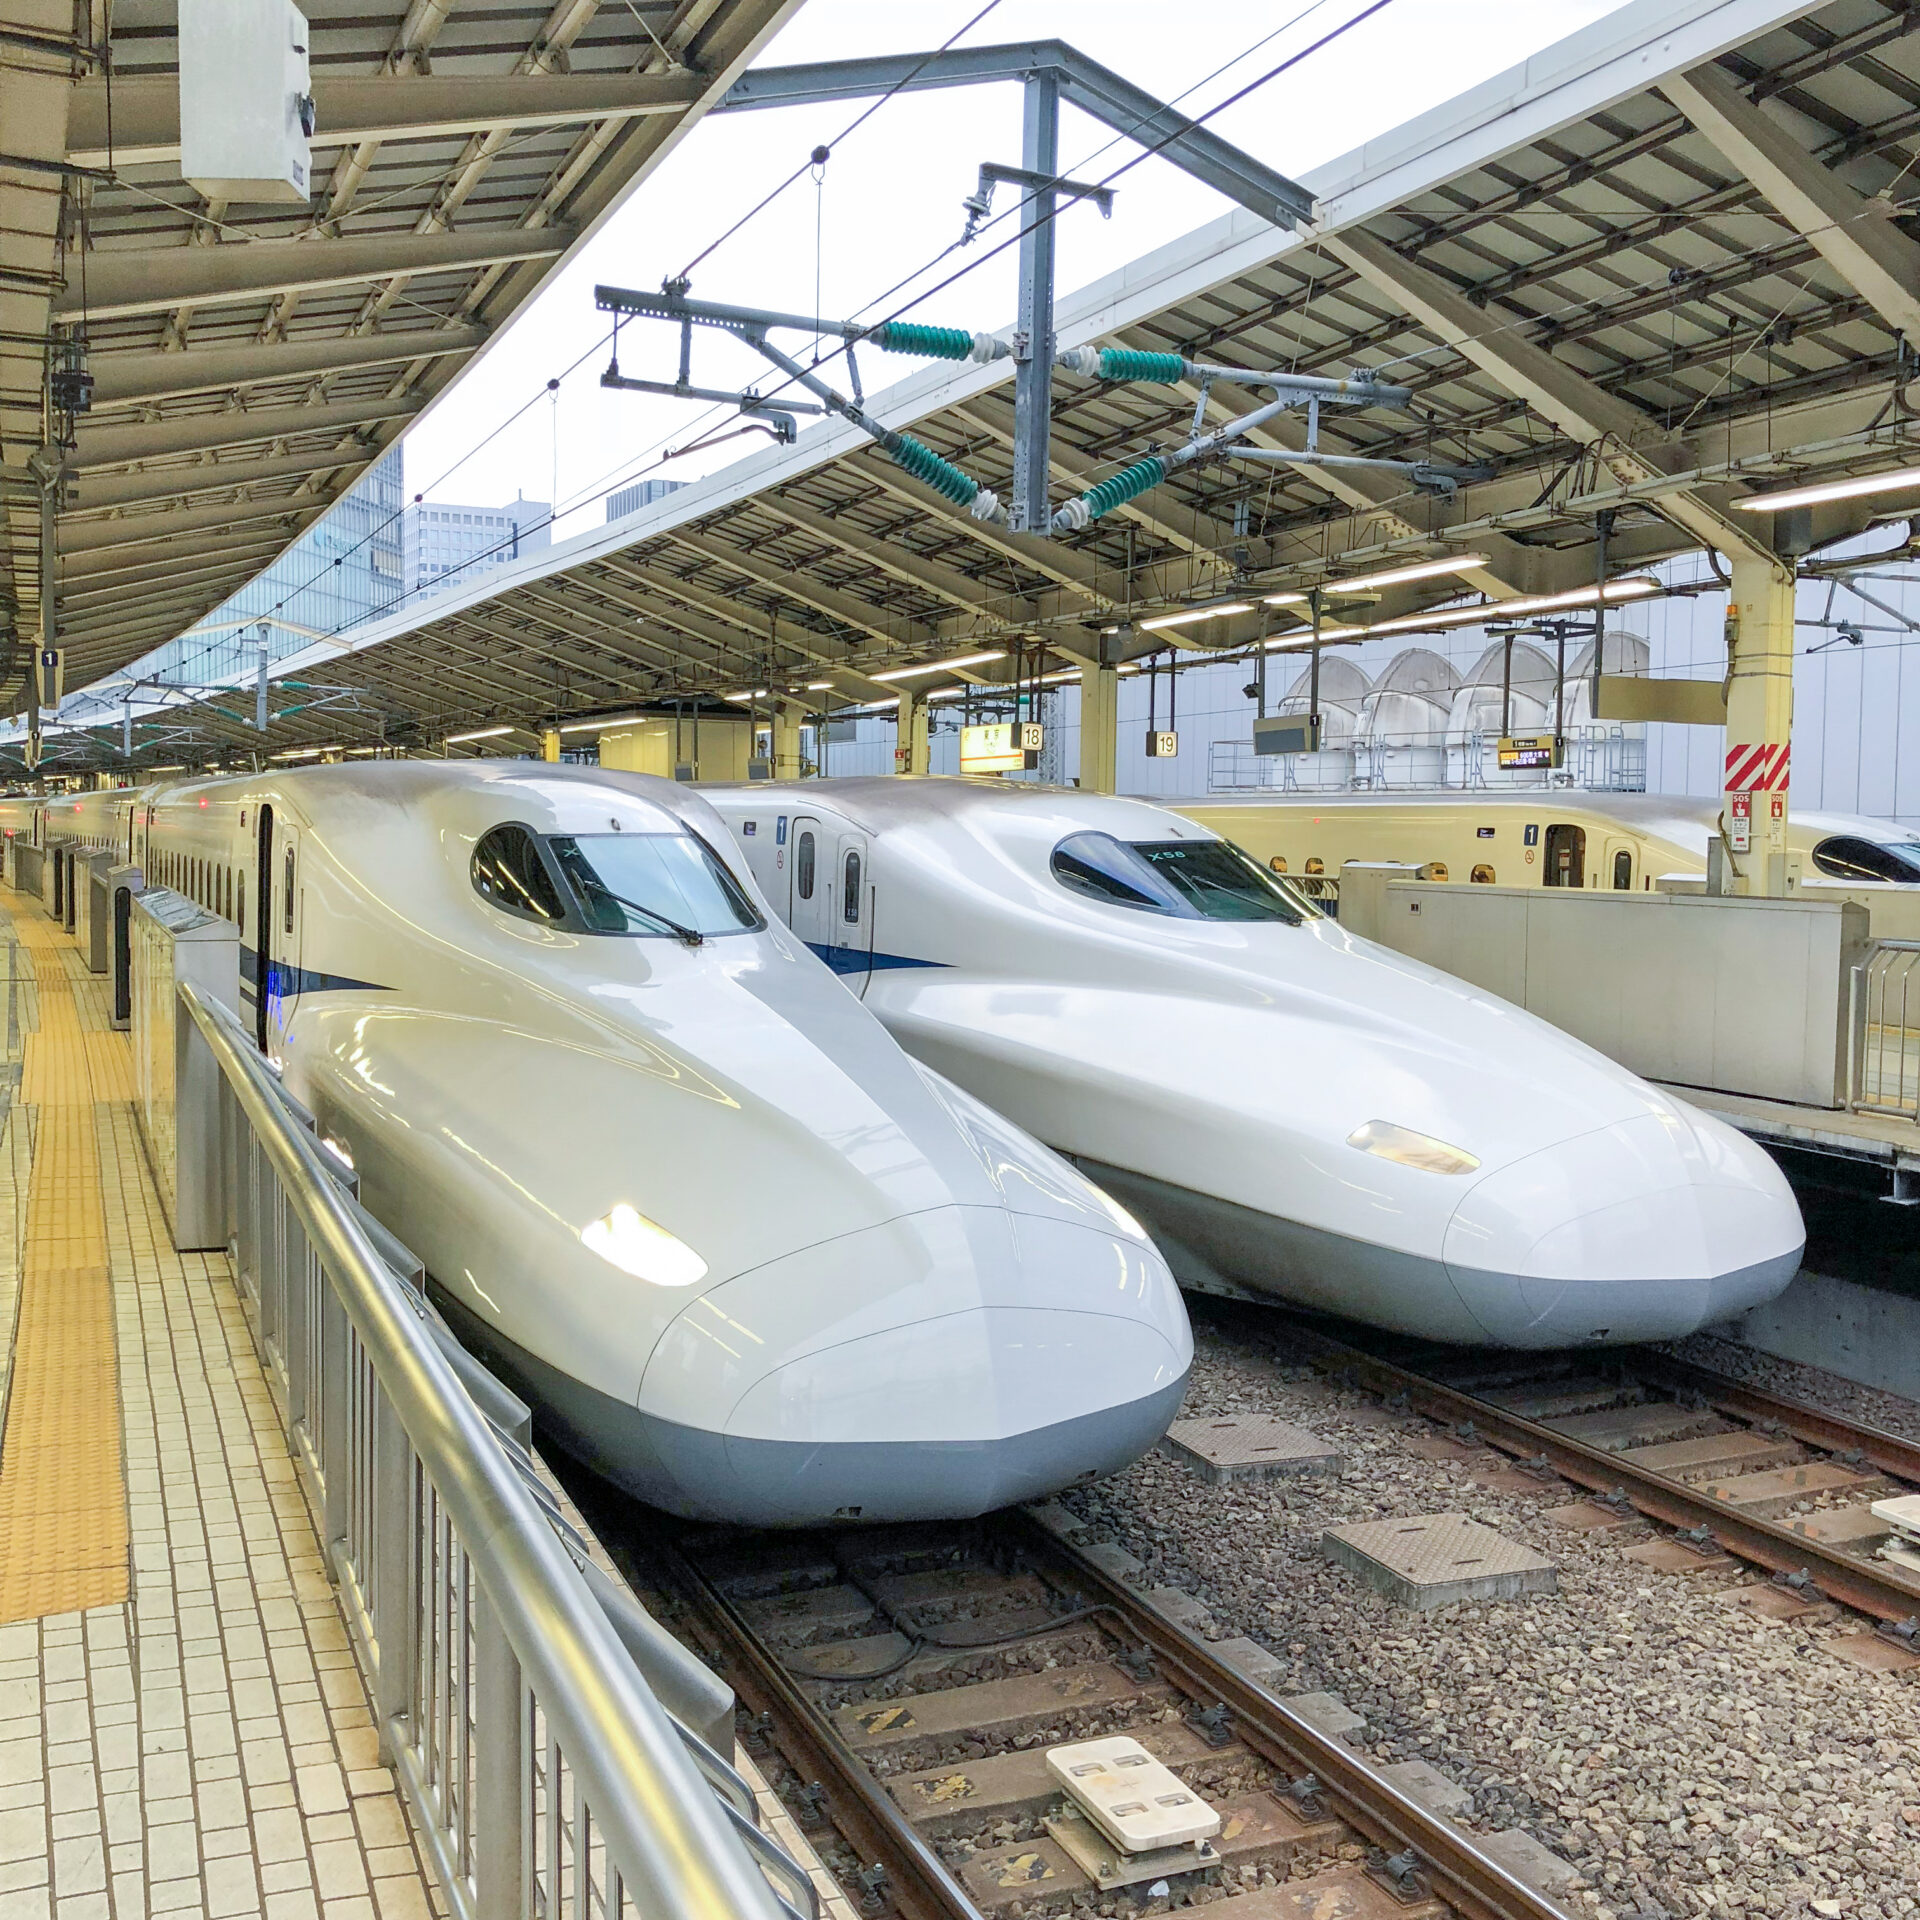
{"x":1734,"y":1473}
{"x":901,"y":1688}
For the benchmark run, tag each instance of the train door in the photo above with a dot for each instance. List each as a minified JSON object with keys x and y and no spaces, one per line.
{"x":809,"y":883}
{"x":276,"y":896}
{"x":1566,"y":857}
{"x":852,"y":954}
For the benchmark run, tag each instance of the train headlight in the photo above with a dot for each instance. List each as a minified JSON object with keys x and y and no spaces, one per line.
{"x":630,"y":1241}
{"x":1411,"y":1149}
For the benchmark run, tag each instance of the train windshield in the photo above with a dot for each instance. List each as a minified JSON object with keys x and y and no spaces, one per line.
{"x":1848,"y":857}
{"x":1187,"y":879}
{"x":652,"y":883}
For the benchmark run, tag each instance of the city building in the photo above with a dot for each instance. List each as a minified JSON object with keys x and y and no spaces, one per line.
{"x":450,"y":544}
{"x":643,"y":493}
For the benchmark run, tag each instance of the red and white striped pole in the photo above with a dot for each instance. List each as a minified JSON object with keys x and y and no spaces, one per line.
{"x":1759,"y":752}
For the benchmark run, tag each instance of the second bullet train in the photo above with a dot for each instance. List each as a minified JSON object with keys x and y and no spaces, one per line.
{"x":1294,"y":1112}
{"x":749,"y":1258}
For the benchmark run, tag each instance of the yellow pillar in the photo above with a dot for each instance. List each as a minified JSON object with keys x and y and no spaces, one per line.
{"x":1099,"y":729}
{"x":910,"y":741}
{"x":550,"y":744}
{"x":1759,"y":724}
{"x":788,"y":762}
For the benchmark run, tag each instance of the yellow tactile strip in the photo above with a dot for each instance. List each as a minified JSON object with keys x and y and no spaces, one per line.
{"x":63,"y":1495}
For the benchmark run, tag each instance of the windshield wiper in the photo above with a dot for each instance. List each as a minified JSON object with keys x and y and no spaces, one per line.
{"x":690,"y":935}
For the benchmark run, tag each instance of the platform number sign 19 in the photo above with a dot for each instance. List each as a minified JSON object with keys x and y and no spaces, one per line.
{"x":1162,"y":744}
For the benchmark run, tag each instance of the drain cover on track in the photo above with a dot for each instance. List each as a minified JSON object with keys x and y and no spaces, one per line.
{"x":1247,"y":1445}
{"x":1437,"y":1559}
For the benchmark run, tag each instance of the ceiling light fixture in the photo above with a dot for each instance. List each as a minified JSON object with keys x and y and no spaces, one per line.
{"x":1813,"y":496}
{"x":941,"y":666}
{"x":479,"y":733}
{"x":594,"y":726}
{"x":1418,"y":570}
{"x":1195,"y":613}
{"x":1633,"y":587}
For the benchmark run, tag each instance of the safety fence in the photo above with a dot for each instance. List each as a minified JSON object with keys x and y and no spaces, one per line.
{"x":546,"y":1775}
{"x":1884,"y":1030}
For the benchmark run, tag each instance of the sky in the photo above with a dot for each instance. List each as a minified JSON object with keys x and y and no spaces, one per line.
{"x":888,"y":208}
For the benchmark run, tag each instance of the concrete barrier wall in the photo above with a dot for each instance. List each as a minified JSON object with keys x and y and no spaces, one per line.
{"x":1740,"y":996}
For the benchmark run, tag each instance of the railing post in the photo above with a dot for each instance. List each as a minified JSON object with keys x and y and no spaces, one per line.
{"x":394,"y":1601}
{"x":1856,"y":1037}
{"x":503,"y":1760}
{"x":336,"y":1438}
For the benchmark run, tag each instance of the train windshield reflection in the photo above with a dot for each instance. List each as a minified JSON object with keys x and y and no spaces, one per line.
{"x":633,"y":882}
{"x":1186,"y":879}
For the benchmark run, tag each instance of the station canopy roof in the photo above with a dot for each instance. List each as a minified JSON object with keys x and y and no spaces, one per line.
{"x":249,"y":361}
{"x":1666,"y":264}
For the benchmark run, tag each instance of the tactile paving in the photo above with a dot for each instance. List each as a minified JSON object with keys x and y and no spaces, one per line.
{"x":63,"y":1499}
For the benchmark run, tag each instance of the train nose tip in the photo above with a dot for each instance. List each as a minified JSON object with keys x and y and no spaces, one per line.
{"x":1644,"y":1231}
{"x":1002,"y":1359}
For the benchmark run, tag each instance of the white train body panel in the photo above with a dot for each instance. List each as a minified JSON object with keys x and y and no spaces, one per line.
{"x":1211,"y":1072}
{"x":907,"y":1310}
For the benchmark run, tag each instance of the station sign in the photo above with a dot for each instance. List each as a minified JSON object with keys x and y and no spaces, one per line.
{"x":1006,"y":746}
{"x":1287,"y":733}
{"x":1520,"y":752}
{"x":1162,"y":743}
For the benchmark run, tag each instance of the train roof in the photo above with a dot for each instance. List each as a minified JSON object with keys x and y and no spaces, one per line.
{"x":878,"y":801}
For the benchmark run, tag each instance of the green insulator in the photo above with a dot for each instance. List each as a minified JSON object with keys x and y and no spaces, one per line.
{"x":937,"y":343}
{"x":1123,"y":363}
{"x":1128,"y":484}
{"x":924,"y":464}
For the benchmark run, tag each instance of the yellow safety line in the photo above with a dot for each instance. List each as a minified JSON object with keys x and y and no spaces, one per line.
{"x":63,"y":1493}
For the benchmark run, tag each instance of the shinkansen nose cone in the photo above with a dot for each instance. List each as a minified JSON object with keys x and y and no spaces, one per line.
{"x":1644,"y":1230}
{"x":940,"y":1365}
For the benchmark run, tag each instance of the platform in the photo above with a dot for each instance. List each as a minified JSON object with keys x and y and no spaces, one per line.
{"x":183,"y":1729}
{"x":1887,"y":1140}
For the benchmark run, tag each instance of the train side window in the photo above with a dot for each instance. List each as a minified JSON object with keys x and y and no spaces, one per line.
{"x":287,"y":916}
{"x":1846,"y":856}
{"x":1434,"y":870}
{"x":1278,"y":863}
{"x":240,"y":904}
{"x":1316,"y":866}
{"x":1482,"y":875}
{"x":803,"y":867}
{"x":850,"y":894}
{"x":1622,"y":871}
{"x":508,"y":870}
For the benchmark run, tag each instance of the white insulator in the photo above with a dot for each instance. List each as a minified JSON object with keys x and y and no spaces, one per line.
{"x":1084,"y":360}
{"x":987,"y":348}
{"x":1074,"y":515}
{"x":985,"y":505}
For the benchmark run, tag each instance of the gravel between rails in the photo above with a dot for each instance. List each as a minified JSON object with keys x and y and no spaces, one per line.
{"x":1891,"y":1412}
{"x":1686,"y":1755}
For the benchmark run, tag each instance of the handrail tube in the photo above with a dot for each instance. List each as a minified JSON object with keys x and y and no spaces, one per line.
{"x":665,"y":1833}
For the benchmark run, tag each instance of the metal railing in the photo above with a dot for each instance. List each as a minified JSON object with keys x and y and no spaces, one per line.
{"x":546,"y":1778}
{"x":1883,"y":1030}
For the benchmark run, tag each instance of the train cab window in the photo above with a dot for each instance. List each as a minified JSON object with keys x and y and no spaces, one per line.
{"x":1623,"y":871}
{"x":1185,"y":879}
{"x":850,"y":890}
{"x":1846,"y":856}
{"x":1482,"y":875}
{"x":656,"y":885}
{"x":509,"y":871}
{"x":803,"y":858}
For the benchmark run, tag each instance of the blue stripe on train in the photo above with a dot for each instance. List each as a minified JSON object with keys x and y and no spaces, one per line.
{"x":851,"y":960}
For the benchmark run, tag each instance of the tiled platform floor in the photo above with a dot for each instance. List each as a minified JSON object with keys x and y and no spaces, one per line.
{"x":203,"y":1747}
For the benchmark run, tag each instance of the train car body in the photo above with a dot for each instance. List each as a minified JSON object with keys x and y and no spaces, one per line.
{"x":1560,"y":837}
{"x":1294,"y":1112}
{"x":751,"y":1261}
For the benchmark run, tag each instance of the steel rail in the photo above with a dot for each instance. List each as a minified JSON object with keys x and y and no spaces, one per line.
{"x":660,"y":1822}
{"x":923,"y":1887}
{"x":1895,"y":1456}
{"x":1470,"y":1881}
{"x":1884,"y":1594}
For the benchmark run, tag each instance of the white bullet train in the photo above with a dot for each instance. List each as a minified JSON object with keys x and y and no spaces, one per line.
{"x":1293,"y":1112}
{"x":754,"y":1263}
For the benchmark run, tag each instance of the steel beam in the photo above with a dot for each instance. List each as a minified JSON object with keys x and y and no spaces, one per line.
{"x":1856,"y":236}
{"x":108,"y":561}
{"x":893,"y":630}
{"x":1617,"y":431}
{"x":145,"y":127}
{"x":235,"y":427}
{"x":751,"y":622}
{"x":137,"y":378}
{"x":172,"y":483}
{"x":158,"y":279}
{"x":1100,"y":94}
{"x":78,"y":537}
